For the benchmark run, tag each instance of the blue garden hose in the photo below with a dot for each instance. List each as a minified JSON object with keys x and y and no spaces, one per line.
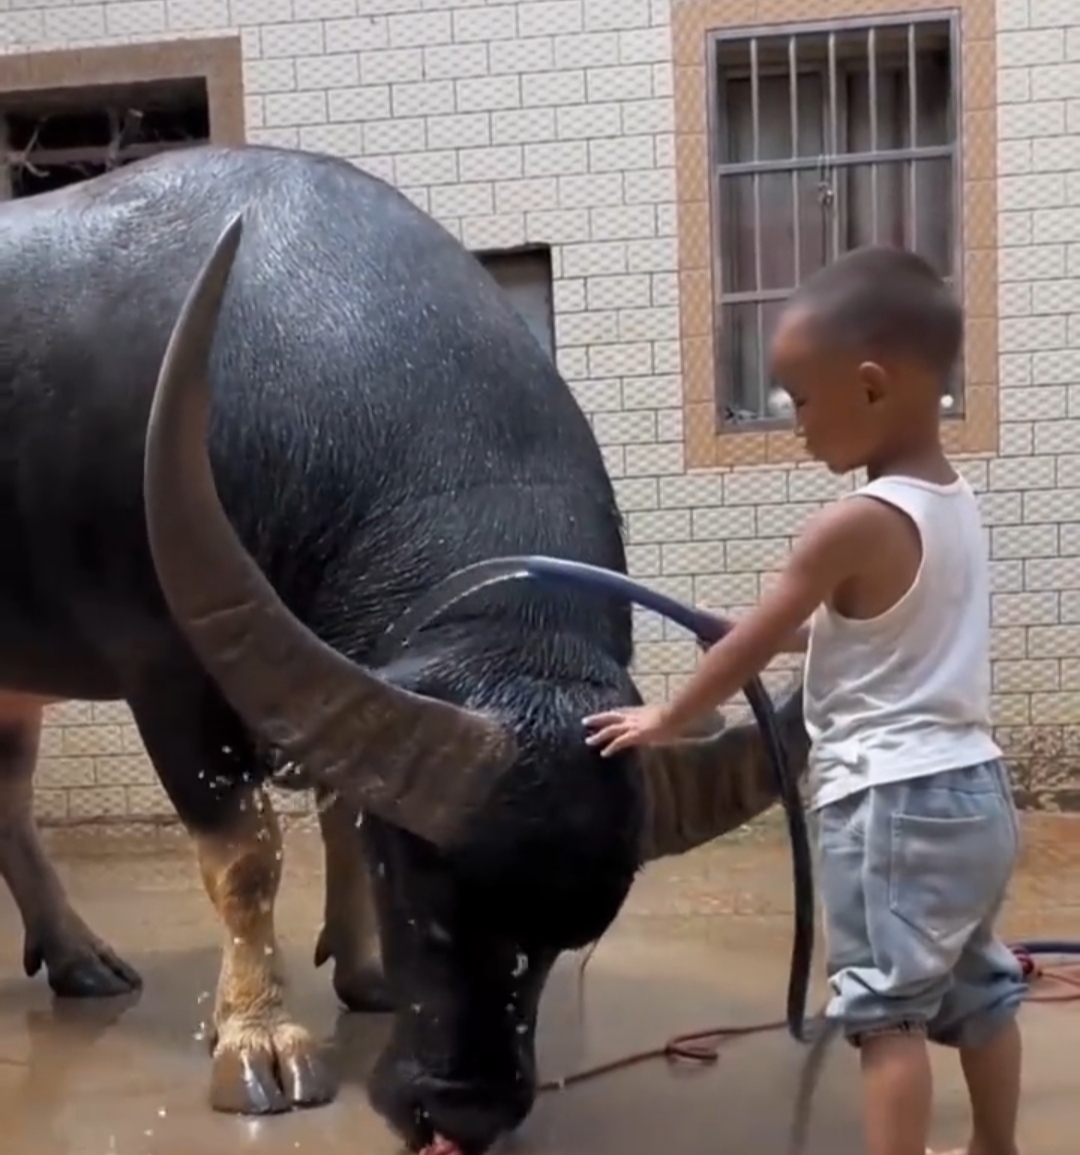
{"x":708,"y":629}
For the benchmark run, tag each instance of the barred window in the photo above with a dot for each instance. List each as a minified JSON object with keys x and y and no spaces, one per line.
{"x":825,"y":138}
{"x":50,"y":138}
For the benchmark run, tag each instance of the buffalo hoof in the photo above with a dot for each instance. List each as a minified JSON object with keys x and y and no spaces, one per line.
{"x":265,"y":1070}
{"x":79,"y":964}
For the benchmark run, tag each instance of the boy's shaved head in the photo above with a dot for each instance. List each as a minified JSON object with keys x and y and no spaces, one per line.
{"x":888,"y":302}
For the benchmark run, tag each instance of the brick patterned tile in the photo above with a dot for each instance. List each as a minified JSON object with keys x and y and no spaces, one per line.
{"x":1058,"y":573}
{"x":64,"y":772}
{"x":1054,"y":641}
{"x":147,"y":798}
{"x":293,"y":39}
{"x":449,"y":61}
{"x":135,"y":18}
{"x":1027,"y":676}
{"x":486,"y":23}
{"x":522,"y":55}
{"x":1011,"y":709}
{"x":70,"y":714}
{"x":1024,"y":541}
{"x":100,"y":802}
{"x":1010,"y":643}
{"x":123,"y":770}
{"x":722,"y":522}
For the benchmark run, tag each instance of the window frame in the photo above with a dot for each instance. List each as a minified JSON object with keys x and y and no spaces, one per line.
{"x":216,"y":61}
{"x":839,"y":162}
{"x":710,"y":443}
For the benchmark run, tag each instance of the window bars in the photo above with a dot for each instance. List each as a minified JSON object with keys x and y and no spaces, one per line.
{"x":825,"y":137}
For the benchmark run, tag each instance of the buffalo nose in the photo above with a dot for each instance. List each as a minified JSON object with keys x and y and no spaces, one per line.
{"x":468,"y":1120}
{"x":470,"y":1115}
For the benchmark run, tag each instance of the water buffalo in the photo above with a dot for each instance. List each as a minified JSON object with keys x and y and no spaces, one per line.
{"x":380,"y":416}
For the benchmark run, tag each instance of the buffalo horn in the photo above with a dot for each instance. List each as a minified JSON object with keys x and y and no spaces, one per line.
{"x":420,"y":764}
{"x":699,"y":788}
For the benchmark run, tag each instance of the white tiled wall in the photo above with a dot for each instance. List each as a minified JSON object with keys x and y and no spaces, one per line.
{"x":1034,"y":486}
{"x":552,"y":121}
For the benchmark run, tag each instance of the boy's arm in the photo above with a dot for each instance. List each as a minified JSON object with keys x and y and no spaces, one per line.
{"x":798,"y":642}
{"x":828,"y":552}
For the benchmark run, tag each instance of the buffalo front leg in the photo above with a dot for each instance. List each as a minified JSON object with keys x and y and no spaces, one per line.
{"x":78,"y":963}
{"x":350,"y":933}
{"x":263,"y":1061}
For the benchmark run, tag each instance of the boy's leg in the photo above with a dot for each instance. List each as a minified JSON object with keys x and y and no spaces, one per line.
{"x":891,"y":1038}
{"x":992,"y":1074}
{"x":979,"y":1017}
{"x":897,"y":1092}
{"x":936,"y":856}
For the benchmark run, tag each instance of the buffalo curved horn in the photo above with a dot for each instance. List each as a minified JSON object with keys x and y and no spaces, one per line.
{"x":701,"y":787}
{"x":420,"y":764}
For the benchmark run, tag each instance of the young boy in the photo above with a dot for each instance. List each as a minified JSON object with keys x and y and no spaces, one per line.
{"x":916,"y":826}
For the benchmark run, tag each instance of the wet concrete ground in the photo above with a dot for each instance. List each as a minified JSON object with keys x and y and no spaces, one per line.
{"x":704,"y":941}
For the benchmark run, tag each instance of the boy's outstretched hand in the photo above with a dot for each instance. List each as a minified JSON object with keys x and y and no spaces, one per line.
{"x":617,"y":730}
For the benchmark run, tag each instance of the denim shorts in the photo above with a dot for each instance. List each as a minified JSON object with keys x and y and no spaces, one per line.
{"x":913,"y":876}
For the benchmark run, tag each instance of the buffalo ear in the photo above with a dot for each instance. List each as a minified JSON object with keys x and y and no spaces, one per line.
{"x":417,"y":763}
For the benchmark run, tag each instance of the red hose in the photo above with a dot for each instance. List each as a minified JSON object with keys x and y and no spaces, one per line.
{"x":1055,"y":984}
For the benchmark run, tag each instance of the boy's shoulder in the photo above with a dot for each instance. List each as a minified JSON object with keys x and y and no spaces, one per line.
{"x":850,"y":530}
{"x":859,"y":512}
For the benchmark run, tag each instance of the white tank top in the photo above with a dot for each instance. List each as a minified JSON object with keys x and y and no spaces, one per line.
{"x":907,"y":693}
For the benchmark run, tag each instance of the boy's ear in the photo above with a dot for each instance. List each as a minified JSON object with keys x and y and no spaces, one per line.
{"x":875,"y":380}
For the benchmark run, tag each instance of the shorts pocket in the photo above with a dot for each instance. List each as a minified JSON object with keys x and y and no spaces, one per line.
{"x":948,"y":875}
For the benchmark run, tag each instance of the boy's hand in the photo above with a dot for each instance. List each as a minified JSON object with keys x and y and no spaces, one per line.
{"x":618,"y":730}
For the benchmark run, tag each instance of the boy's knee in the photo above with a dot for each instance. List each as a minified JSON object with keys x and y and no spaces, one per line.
{"x":866,"y":1003}
{"x":972,"y":1014}
{"x":860,"y":1037}
{"x":977,"y":1029}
